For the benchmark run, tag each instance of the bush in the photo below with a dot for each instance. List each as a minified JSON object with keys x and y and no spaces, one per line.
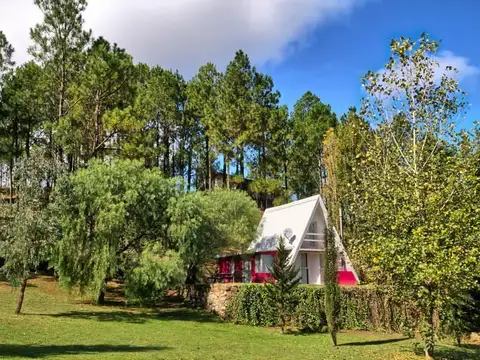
{"x":362,"y":308}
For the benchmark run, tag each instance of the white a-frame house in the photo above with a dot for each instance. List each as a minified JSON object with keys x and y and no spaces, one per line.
{"x":301,"y":224}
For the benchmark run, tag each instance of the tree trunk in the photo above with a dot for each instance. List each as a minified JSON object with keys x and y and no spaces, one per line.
{"x":208,"y":184}
{"x":166,"y":156}
{"x":285,"y":175}
{"x":27,"y":140}
{"x":189,"y":169}
{"x":21,"y":297}
{"x":191,"y":274}
{"x":242,"y":163}
{"x":11,"y":179}
{"x":101,"y":295}
{"x":224,"y":171}
{"x":429,"y":336}
{"x":101,"y":298}
{"x":334,"y":337}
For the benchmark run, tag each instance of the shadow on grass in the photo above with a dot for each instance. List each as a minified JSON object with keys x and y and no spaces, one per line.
{"x":138,"y":318}
{"x":374,"y":342}
{"x":37,"y":351}
{"x":462,"y":352}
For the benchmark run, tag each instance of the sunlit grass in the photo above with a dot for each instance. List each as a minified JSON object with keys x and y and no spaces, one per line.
{"x":55,"y":325}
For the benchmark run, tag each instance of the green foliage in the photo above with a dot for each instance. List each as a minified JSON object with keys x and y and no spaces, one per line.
{"x":332,"y":289}
{"x":28,"y":236}
{"x":107,"y":213}
{"x":362,"y":308}
{"x":153,"y":272}
{"x":6,"y":52}
{"x":416,"y":209}
{"x":310,"y":120}
{"x":285,"y":280}
{"x":194,"y":229}
{"x":236,"y":217}
{"x":103,"y":88}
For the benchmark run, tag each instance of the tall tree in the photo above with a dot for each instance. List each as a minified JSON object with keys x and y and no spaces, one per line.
{"x":6,"y":53}
{"x":102,"y":89}
{"x":29,"y":235}
{"x":202,"y":93}
{"x":416,"y":210}
{"x":310,"y":121}
{"x":21,"y":113}
{"x":235,"y":104}
{"x":332,"y":289}
{"x":160,"y":107}
{"x":344,"y":149}
{"x":58,"y":44}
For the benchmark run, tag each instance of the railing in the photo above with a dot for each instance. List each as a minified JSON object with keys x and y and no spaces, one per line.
{"x":313,"y":241}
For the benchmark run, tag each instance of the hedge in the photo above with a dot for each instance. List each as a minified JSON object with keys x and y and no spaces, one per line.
{"x":362,"y":308}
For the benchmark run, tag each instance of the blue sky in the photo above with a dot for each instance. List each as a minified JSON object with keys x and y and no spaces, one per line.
{"x":320,"y":45}
{"x":339,"y":53}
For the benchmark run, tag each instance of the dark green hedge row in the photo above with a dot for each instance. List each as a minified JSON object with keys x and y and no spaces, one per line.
{"x":363,"y":308}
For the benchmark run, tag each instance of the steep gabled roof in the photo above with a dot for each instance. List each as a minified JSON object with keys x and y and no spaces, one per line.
{"x":295,"y":216}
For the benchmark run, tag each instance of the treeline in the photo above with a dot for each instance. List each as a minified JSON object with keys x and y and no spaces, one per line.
{"x":83,"y":98}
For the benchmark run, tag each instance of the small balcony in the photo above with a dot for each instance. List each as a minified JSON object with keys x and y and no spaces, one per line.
{"x":313,"y":242}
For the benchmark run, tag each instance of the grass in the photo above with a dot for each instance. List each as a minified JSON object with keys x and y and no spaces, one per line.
{"x":55,"y":325}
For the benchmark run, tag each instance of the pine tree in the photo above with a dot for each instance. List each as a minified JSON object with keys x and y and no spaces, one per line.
{"x":332,"y":290}
{"x":285,"y":279}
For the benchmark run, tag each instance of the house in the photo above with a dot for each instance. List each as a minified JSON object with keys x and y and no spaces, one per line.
{"x":301,"y":224}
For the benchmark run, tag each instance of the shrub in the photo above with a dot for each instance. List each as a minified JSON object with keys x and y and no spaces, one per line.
{"x":362,"y":308}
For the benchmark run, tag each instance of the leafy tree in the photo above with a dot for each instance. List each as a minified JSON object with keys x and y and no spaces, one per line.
{"x":202,"y":232}
{"x":344,"y":149}
{"x":159,"y":106}
{"x":58,"y":45}
{"x":193,"y":228}
{"x":109,"y":213}
{"x":29,"y":235}
{"x":285,"y":280}
{"x":104,"y":86}
{"x":332,"y":290}
{"x":235,"y":102}
{"x":20,"y":113}
{"x":236,"y":217}
{"x":6,"y":52}
{"x":310,"y":121}
{"x":416,"y":211}
{"x":202,"y":93}
{"x":153,"y":271}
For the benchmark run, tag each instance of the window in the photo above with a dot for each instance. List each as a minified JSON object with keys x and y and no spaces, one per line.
{"x":263,"y":263}
{"x":304,"y":268}
{"x":312,"y":228}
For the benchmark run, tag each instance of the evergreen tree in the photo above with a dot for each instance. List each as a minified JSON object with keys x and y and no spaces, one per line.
{"x":285,"y":280}
{"x":332,"y":290}
{"x":58,"y":45}
{"x":6,"y":52}
{"x":310,"y":121}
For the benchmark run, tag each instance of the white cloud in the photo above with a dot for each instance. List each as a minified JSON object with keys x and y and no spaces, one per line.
{"x":185,"y":34}
{"x":462,"y":64}
{"x":444,"y":59}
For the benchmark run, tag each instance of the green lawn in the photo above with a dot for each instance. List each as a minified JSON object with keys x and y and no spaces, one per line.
{"x":57,"y":326}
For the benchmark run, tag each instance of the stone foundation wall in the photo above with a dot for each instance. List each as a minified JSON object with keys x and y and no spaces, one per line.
{"x":219,"y":296}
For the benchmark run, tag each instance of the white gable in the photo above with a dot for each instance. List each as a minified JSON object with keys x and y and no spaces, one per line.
{"x":295,"y":216}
